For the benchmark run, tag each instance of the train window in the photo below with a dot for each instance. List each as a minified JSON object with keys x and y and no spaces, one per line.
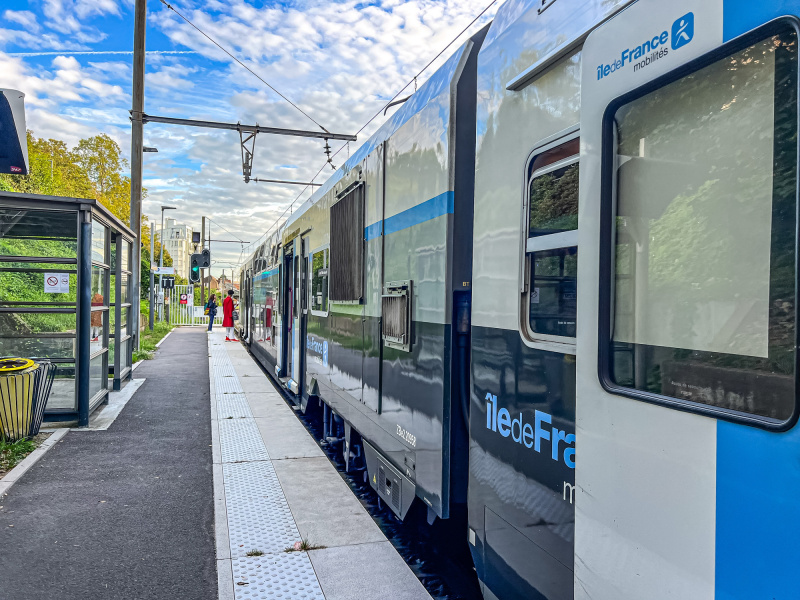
{"x":553,"y":295}
{"x":319,"y":282}
{"x":552,"y":240}
{"x":554,"y":190}
{"x":703,"y":229}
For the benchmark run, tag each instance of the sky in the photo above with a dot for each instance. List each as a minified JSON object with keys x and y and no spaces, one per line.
{"x":340,"y":61}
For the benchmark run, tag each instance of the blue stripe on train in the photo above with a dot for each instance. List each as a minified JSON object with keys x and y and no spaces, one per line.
{"x":430,"y":209}
{"x":740,"y":16}
{"x":758,"y":472}
{"x":758,"y":513}
{"x":266,"y":274}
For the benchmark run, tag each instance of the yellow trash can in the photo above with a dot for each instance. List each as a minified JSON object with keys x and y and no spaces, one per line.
{"x":24,"y":388}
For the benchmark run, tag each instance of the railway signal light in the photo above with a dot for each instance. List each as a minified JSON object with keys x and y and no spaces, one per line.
{"x":194,"y":270}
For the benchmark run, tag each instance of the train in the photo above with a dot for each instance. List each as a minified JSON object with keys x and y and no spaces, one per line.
{"x":617,"y":423}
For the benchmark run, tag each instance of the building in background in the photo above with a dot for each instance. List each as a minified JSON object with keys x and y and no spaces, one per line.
{"x":178,"y":242}
{"x":226,"y":284}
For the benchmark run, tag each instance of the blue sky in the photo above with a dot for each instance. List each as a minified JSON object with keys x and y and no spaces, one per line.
{"x":340,"y":61}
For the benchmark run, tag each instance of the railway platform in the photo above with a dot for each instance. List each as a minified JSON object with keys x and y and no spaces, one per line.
{"x":275,"y":490}
{"x":201,"y":487}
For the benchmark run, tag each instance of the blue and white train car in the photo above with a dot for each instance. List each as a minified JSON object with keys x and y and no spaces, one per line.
{"x":634,"y":302}
{"x":583,"y":325}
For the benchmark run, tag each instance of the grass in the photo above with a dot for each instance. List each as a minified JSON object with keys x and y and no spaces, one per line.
{"x":12,"y":453}
{"x":150,"y":339}
{"x":255,"y":553}
{"x":303,"y":546}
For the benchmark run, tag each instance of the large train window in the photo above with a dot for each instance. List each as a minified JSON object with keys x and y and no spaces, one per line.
{"x":700,"y":203}
{"x":551,"y":246}
{"x":319,"y":283}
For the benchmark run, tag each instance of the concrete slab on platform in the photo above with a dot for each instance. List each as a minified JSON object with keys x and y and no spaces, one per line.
{"x":342,"y":577}
{"x":285,"y":439}
{"x":338,"y":521}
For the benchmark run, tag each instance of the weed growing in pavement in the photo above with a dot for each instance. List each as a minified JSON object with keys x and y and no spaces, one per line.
{"x":13,"y":452}
{"x":303,"y":546}
{"x":149,"y":340}
{"x":255,"y":553}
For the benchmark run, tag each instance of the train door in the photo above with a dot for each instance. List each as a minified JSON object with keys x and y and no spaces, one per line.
{"x":287,"y":337}
{"x":245,"y":305}
{"x":686,"y":477}
{"x":301,"y":317}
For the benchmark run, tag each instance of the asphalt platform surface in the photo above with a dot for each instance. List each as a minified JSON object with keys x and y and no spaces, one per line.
{"x":126,"y":513}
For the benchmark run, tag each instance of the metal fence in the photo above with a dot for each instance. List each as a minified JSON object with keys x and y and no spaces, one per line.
{"x":182,"y":310}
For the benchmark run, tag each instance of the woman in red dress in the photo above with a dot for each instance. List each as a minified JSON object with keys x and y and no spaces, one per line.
{"x":227,"y":317}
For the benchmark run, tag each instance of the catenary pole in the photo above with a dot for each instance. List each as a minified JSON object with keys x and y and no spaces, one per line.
{"x":152,"y":277}
{"x":202,"y":271}
{"x":137,"y":110}
{"x":160,"y":265}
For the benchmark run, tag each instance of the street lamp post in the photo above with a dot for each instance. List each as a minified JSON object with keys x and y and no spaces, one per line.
{"x":161,"y":253}
{"x":152,"y":277}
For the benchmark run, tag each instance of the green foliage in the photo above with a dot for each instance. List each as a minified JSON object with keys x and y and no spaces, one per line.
{"x":12,"y":453}
{"x":93,"y":169}
{"x":149,"y":339}
{"x":554,"y":200}
{"x":29,"y":287}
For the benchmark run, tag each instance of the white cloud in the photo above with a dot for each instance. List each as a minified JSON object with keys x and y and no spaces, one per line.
{"x":22,"y":17}
{"x":340,"y":61}
{"x":170,"y":77}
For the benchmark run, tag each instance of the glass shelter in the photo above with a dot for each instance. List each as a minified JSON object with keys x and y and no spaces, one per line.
{"x":65,"y":296}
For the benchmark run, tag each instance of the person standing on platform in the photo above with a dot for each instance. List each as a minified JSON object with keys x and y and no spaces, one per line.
{"x":211,"y":310}
{"x":227,"y":317}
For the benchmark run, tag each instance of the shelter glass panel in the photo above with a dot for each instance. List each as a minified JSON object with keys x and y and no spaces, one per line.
{"x":125,"y":254}
{"x":98,"y":379}
{"x":38,"y":347}
{"x":32,"y":287}
{"x":98,"y":321}
{"x":99,"y":234}
{"x":38,"y":233}
{"x":705,"y":234}
{"x":21,"y":323}
{"x":62,"y":395}
{"x":99,"y":277}
{"x":125,"y":357}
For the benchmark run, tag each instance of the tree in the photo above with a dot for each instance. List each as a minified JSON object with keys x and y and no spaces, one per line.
{"x":53,"y":171}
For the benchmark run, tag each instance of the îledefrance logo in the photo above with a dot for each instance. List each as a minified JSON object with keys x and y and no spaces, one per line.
{"x":650,"y":49}
{"x":682,"y":31}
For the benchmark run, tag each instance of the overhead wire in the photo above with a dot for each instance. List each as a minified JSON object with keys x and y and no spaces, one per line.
{"x":256,"y":75}
{"x":377,"y":114}
{"x":233,"y":234}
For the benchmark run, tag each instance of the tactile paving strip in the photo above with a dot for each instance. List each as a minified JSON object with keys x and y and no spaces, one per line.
{"x":233,"y":405}
{"x":280,"y":576}
{"x":227,"y":385}
{"x":224,"y":370}
{"x":259,"y":518}
{"x":240,"y":440}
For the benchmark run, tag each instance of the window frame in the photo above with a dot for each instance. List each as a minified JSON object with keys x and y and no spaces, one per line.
{"x":326,"y":250}
{"x":608,"y":187}
{"x":541,"y":243}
